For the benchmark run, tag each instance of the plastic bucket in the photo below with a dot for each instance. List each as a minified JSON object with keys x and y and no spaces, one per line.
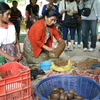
{"x":45,"y":65}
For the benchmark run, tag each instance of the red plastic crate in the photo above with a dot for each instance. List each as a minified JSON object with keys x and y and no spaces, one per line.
{"x":16,"y":84}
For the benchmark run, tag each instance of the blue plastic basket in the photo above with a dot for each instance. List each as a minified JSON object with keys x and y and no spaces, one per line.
{"x":45,"y":65}
{"x":86,"y":87}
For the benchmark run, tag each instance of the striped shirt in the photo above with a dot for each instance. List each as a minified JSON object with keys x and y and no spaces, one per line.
{"x":15,"y":16}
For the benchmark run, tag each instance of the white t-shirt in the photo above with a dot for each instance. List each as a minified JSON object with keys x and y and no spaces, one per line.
{"x":7,"y":35}
{"x":72,"y":6}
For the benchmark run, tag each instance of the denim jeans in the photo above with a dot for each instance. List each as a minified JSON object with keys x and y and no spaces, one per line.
{"x":89,"y":26}
{"x":65,"y":32}
{"x":79,"y":33}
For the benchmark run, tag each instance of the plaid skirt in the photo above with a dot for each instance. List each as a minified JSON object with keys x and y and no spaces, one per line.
{"x":28,"y":53}
{"x":11,"y":50}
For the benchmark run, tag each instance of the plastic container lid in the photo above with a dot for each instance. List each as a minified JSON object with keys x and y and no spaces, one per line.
{"x":95,"y":66}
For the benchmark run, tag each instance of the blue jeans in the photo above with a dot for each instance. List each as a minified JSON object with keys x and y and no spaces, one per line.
{"x":79,"y":35}
{"x":65,"y":32}
{"x":89,"y":26}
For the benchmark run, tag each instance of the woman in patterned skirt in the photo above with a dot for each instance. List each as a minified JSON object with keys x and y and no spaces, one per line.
{"x":38,"y":43}
{"x":9,"y":45}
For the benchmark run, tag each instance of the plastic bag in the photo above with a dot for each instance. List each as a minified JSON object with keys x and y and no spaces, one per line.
{"x":66,"y":68}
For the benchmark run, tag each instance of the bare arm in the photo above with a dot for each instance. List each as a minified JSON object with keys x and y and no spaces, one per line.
{"x":48,"y":48}
{"x":10,"y":58}
{"x":19,"y":55}
{"x":62,"y":11}
{"x":51,"y":49}
{"x":74,"y":12}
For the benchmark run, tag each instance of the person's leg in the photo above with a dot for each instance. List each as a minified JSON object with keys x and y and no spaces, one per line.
{"x":65,"y":33}
{"x":93,"y":28}
{"x":85,"y":33}
{"x":17,"y":27}
{"x":72,"y":34}
{"x":79,"y":34}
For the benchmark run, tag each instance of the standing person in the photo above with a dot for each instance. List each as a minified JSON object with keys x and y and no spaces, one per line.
{"x":78,"y":27}
{"x":31,"y":10}
{"x":50,"y":5}
{"x":71,"y":8}
{"x":90,"y":23}
{"x":16,"y":17}
{"x":9,"y":45}
{"x":38,"y":43}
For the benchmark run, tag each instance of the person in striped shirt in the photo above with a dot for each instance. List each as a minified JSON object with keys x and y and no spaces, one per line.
{"x":16,"y":17}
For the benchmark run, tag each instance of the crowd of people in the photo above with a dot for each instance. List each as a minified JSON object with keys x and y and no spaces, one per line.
{"x":43,"y":30}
